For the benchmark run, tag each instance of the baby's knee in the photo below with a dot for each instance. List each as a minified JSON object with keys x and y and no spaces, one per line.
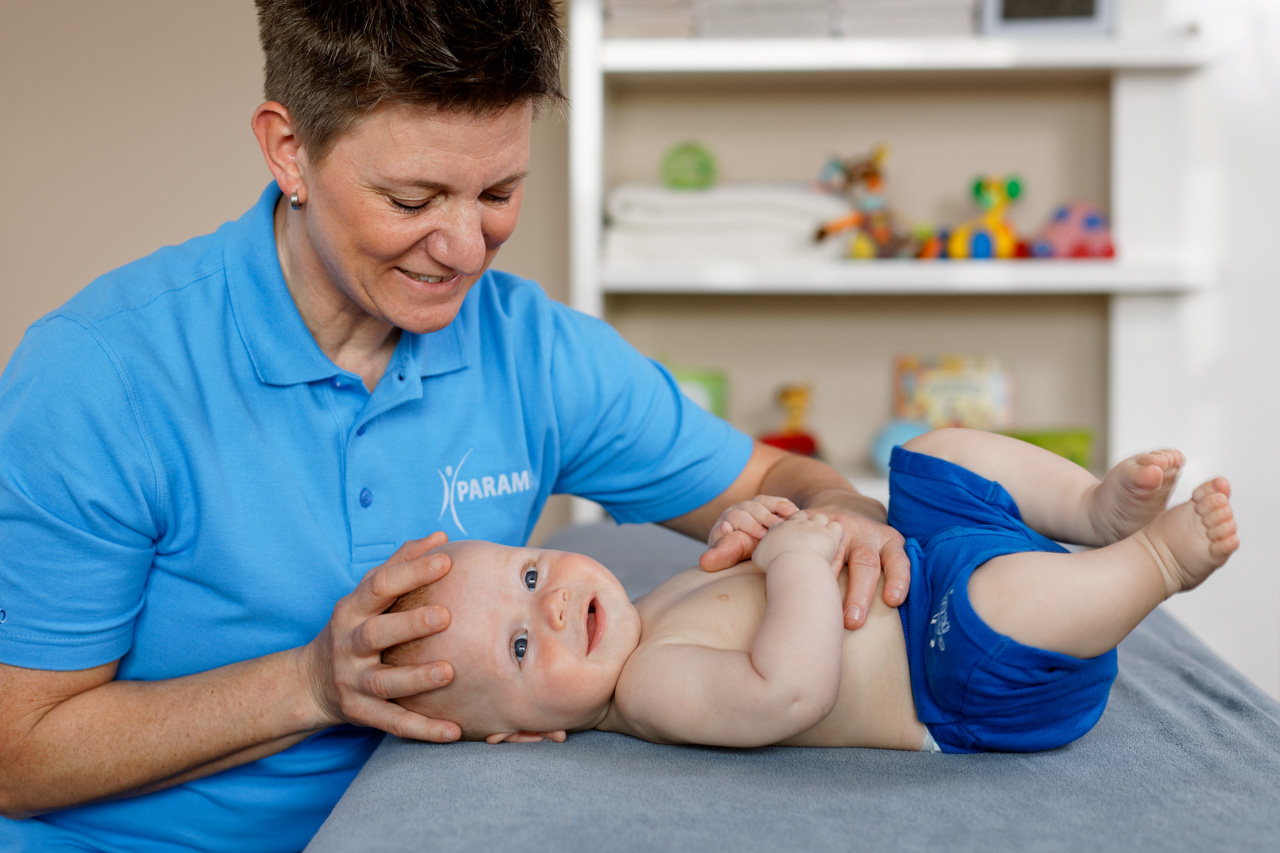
{"x":937,"y":442}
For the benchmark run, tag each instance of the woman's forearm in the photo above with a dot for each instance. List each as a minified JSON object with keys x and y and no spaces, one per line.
{"x":123,"y":738}
{"x":811,"y":484}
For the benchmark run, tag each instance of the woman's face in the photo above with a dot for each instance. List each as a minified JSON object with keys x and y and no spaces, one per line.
{"x":407,"y":210}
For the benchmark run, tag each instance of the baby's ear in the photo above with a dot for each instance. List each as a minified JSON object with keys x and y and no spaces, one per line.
{"x":526,"y":737}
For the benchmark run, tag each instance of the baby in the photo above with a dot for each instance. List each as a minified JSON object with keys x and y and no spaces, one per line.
{"x":1006,"y":642}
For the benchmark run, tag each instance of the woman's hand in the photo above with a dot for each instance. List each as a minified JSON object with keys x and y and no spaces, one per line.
{"x":736,"y":533}
{"x":344,"y":667}
{"x":870,"y":548}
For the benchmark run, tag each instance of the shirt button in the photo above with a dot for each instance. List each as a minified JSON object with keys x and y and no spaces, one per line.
{"x":366,"y":498}
{"x":337,"y":382}
{"x":362,"y":428}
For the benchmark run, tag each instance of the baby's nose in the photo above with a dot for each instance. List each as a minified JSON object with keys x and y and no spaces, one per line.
{"x":555,"y":604}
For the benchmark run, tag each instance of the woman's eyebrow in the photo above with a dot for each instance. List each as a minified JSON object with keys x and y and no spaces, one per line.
{"x":438,"y":185}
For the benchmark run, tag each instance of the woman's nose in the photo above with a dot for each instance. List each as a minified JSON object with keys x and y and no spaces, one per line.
{"x":555,"y":606}
{"x":458,"y":242}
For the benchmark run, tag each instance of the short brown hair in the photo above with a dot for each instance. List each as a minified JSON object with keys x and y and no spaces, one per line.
{"x":329,"y":63}
{"x":404,"y":652}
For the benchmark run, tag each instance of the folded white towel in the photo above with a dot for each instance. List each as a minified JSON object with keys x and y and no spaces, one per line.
{"x":754,"y":242}
{"x":728,"y":206}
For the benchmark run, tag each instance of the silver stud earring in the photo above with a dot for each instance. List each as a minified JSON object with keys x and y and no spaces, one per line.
{"x":293,"y":201}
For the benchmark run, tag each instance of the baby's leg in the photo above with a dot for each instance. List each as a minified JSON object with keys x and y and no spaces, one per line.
{"x":1057,"y":497}
{"x":1084,"y":604}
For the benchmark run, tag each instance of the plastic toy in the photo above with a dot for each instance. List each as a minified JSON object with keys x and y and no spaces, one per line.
{"x":990,"y":235}
{"x":1075,"y":230}
{"x":861,"y":180}
{"x":688,"y":166}
{"x":894,"y":433}
{"x":794,"y":437}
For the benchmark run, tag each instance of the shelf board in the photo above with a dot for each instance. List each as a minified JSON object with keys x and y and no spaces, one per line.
{"x":1084,"y":53}
{"x":905,"y":277}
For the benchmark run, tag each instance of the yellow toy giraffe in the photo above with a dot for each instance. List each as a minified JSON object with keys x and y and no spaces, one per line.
{"x":990,"y":235}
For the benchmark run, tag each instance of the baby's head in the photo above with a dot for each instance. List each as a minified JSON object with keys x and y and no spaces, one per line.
{"x":537,"y":640}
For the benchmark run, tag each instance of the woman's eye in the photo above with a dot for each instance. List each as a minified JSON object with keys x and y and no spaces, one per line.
{"x":400,"y":205}
{"x":531,"y":578}
{"x":520,"y":646}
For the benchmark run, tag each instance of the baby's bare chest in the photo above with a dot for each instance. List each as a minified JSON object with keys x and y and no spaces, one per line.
{"x":721,"y":610}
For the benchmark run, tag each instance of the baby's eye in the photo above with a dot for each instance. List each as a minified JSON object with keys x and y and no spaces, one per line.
{"x":531,"y":578}
{"x":520,"y":646}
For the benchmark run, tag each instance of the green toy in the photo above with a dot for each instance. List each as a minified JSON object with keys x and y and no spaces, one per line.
{"x":688,"y":166}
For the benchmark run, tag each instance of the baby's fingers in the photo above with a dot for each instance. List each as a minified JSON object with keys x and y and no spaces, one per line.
{"x":780,"y":507}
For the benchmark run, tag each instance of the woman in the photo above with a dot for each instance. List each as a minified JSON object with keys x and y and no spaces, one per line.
{"x":206,"y":449}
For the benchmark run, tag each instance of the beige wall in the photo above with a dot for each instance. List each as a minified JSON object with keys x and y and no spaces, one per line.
{"x":126,"y":127}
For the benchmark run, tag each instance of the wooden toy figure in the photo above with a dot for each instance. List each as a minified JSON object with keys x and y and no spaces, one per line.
{"x":861,"y":180}
{"x":794,"y":436}
{"x":990,"y":235}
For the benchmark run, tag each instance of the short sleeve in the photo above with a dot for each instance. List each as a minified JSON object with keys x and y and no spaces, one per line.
{"x":630,"y":440}
{"x":78,"y":498}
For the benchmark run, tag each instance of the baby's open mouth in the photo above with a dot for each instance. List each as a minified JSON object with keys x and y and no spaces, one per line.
{"x":595,"y":625}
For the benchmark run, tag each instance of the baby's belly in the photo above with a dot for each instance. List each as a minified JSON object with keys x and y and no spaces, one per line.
{"x":874,"y":707}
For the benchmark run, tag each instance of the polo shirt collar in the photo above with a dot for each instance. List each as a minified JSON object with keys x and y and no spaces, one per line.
{"x":280,"y":345}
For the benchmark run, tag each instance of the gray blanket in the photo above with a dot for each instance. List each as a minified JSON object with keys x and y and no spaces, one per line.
{"x":1186,"y":758}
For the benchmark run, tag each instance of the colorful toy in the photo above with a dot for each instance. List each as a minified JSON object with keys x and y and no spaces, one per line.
{"x":990,"y":235}
{"x":794,"y":437}
{"x":861,"y":180}
{"x":1076,"y":230}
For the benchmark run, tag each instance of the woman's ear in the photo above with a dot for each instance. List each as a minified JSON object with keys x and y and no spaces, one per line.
{"x":526,"y":737}
{"x":273,"y":127}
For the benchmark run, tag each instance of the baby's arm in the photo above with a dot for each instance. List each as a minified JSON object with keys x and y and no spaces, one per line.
{"x":789,"y":680}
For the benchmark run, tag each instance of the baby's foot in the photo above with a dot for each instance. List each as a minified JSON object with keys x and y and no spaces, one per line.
{"x":1133,"y":493}
{"x":1193,"y":539}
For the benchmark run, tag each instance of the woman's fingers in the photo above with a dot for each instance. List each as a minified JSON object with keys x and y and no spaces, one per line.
{"x":379,"y":633}
{"x":897,"y":571}
{"x":396,"y":682}
{"x":382,"y":586}
{"x":731,"y":549}
{"x":864,"y":575}
{"x":401,"y":722}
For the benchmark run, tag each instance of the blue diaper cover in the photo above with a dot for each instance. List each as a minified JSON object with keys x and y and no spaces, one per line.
{"x":975,"y":689}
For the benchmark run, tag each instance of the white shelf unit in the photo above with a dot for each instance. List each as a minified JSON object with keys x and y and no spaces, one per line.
{"x":1150,"y":289}
{"x":890,"y":278}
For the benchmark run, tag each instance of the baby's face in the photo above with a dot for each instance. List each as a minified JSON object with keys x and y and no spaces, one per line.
{"x":537,"y":638}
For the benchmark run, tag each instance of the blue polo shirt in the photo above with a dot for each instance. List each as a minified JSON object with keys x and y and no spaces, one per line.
{"x":186,"y":481}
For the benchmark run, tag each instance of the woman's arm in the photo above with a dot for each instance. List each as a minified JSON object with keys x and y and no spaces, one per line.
{"x":68,"y":738}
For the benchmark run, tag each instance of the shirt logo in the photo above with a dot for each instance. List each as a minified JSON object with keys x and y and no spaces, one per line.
{"x":458,"y":490}
{"x":940,"y":624}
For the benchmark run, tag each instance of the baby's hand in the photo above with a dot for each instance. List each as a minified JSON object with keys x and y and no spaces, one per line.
{"x":740,"y":527}
{"x":801,"y":532}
